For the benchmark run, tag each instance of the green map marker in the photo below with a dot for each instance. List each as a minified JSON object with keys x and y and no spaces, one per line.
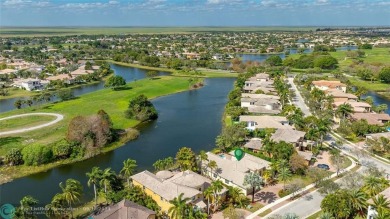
{"x":239,"y":154}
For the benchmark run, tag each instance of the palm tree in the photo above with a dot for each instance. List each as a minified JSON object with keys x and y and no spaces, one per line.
{"x":323,"y":127}
{"x":72,"y":192}
{"x":107,"y":177}
{"x":212,"y":165}
{"x":358,"y":200}
{"x":254,"y":181}
{"x":344,"y":110}
{"x":284,"y":175}
{"x":128,"y":168}
{"x":208,"y":194}
{"x":381,"y":204}
{"x":234,"y":193}
{"x":25,"y":205}
{"x":56,"y":205}
{"x":93,"y":178}
{"x":373,"y":185}
{"x":267,"y":176}
{"x":216,"y":187}
{"x":202,"y":157}
{"x":177,"y":211}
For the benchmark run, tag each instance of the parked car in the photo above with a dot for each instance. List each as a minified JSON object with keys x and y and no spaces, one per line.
{"x":323,"y":166}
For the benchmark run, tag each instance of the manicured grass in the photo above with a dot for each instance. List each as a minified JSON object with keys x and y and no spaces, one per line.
{"x":255,"y":207}
{"x":208,"y":73}
{"x":315,"y":215}
{"x":373,"y":86}
{"x":113,"y":102}
{"x":24,"y":122}
{"x":266,"y":212}
{"x":16,"y":92}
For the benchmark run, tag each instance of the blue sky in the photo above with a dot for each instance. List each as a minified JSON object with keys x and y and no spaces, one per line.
{"x":194,"y":12}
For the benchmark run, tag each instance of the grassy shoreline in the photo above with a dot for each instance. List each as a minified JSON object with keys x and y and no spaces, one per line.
{"x":206,"y":73}
{"x":166,"y":85}
{"x":23,"y":93}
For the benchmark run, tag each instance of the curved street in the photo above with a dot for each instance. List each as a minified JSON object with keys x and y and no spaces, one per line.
{"x":59,"y":117}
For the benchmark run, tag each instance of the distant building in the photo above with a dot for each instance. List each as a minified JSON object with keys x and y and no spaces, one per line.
{"x":30,"y":84}
{"x":326,"y":85}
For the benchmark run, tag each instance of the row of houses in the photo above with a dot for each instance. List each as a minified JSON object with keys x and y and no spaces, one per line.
{"x":31,"y":84}
{"x":361,"y":110}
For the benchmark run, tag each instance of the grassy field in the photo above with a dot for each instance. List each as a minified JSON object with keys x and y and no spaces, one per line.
{"x":113,"y":102}
{"x":373,"y":86}
{"x":16,"y":92}
{"x":207,"y":73}
{"x":63,"y":31}
{"x":24,"y":122}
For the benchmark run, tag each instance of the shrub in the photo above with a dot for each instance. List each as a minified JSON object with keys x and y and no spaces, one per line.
{"x":14,"y":157}
{"x":34,"y":155}
{"x":62,"y":149}
{"x":140,"y":108}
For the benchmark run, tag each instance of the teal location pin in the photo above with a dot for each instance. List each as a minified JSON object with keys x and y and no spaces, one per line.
{"x":239,"y":154}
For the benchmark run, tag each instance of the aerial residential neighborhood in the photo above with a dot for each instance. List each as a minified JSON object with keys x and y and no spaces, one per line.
{"x":162,"y":109}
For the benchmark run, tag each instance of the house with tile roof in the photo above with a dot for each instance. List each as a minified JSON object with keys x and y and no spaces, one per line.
{"x":165,"y":187}
{"x":125,"y":209}
{"x":232,"y":172}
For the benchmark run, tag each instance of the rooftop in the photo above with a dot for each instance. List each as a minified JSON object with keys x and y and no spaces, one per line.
{"x":287,"y":135}
{"x":125,"y":209}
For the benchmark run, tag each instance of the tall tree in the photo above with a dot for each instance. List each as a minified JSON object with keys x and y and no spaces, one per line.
{"x":254,"y":181}
{"x":129,"y":166}
{"x":284,"y":174}
{"x":93,"y":179}
{"x":186,"y":159}
{"x":358,"y":201}
{"x":108,"y":176}
{"x":344,"y":110}
{"x":72,"y":192}
{"x":26,"y":203}
{"x":177,"y":211}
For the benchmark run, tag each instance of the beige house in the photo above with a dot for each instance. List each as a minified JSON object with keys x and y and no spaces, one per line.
{"x":166,"y":185}
{"x":265,"y":121}
{"x":326,"y":85}
{"x":289,"y":135}
{"x":232,"y":172}
{"x":358,"y":107}
{"x":261,"y":103}
{"x":125,"y":209}
{"x":372,"y":118}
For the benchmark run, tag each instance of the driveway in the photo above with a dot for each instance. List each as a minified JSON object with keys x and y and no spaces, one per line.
{"x":59,"y":117}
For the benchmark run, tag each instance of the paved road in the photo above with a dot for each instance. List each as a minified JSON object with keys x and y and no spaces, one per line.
{"x":298,"y":100}
{"x":59,"y":117}
{"x":311,"y":203}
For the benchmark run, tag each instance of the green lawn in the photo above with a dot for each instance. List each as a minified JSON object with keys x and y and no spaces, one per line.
{"x":16,"y":92}
{"x":315,"y":215}
{"x":113,"y":102}
{"x":208,"y":73}
{"x":373,"y":86}
{"x":24,"y":122}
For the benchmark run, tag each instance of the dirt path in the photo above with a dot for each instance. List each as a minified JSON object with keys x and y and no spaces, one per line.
{"x":59,"y":117}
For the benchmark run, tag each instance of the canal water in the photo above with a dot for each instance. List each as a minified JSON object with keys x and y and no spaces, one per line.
{"x":378,"y":99}
{"x":191,"y":118}
{"x":128,"y":73}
